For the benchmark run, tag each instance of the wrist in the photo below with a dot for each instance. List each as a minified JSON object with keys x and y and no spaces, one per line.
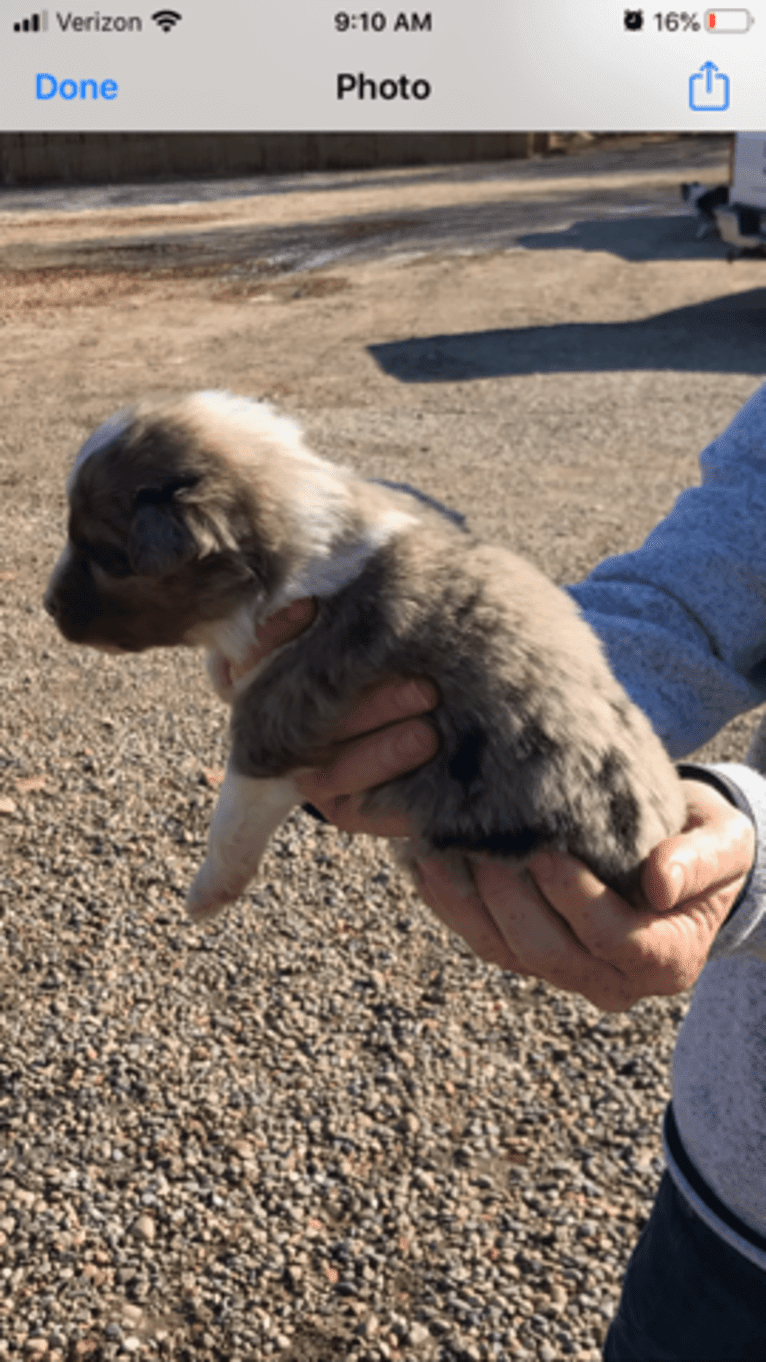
{"x":689,"y":770}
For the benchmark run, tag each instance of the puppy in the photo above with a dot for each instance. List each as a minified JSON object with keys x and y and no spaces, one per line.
{"x":193,"y":520}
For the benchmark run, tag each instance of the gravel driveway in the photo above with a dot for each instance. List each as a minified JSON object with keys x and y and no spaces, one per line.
{"x":319,"y":1129}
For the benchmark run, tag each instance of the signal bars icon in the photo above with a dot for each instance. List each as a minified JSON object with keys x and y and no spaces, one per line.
{"x":37,"y":23}
{"x":167,"y":18}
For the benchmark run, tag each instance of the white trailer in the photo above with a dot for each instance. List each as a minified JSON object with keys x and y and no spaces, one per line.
{"x":741,"y":222}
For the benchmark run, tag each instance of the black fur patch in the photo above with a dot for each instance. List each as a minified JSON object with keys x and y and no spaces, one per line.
{"x":360,"y":627}
{"x":498,"y":842}
{"x":623,"y":805}
{"x":465,"y":763}
{"x":624,"y":816}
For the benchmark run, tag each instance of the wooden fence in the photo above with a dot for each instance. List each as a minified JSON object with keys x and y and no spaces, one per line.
{"x":97,"y":158}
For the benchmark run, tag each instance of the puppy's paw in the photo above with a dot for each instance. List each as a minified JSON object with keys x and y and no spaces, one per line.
{"x":209,"y":894}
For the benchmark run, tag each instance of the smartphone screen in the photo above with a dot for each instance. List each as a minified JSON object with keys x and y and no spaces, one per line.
{"x":508,"y":256}
{"x":309,"y":65}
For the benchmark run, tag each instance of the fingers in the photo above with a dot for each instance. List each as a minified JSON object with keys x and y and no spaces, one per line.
{"x":556,"y":921}
{"x":526,"y":909}
{"x":639,"y":954}
{"x":345,"y":813}
{"x":508,"y":922}
{"x":384,"y":704}
{"x":285,"y":625}
{"x":464,"y":913}
{"x":378,"y":757}
{"x":362,"y":765}
{"x":372,"y":743}
{"x":711,"y":857}
{"x":595,"y":915}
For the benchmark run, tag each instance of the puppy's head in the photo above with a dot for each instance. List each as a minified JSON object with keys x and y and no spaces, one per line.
{"x":170,"y":527}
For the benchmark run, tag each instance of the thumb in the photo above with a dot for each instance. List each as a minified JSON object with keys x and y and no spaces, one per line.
{"x":708,"y":857}
{"x":667,"y":876}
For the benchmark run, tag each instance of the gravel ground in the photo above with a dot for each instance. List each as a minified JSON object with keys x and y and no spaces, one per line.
{"x":319,"y":1128}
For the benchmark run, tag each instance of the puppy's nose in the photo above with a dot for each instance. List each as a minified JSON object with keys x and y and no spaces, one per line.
{"x":50,"y":605}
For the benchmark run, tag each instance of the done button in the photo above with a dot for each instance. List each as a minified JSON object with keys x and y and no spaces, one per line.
{"x":47,"y":87}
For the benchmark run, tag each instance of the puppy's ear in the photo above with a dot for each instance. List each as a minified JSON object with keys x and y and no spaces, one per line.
{"x":172,"y":526}
{"x":159,"y":539}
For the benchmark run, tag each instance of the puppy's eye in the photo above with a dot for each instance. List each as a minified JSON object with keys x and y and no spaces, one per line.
{"x":112,"y":560}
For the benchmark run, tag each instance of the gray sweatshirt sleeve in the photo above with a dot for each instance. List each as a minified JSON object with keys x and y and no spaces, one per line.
{"x":683,"y":622}
{"x":683,"y":618}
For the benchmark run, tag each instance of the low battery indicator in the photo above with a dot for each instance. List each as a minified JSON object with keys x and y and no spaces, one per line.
{"x":728,"y":20}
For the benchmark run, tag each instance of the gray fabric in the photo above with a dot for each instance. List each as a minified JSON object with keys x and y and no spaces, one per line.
{"x":683,"y":620}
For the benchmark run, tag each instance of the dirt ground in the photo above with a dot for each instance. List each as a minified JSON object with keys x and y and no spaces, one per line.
{"x":546,"y":344}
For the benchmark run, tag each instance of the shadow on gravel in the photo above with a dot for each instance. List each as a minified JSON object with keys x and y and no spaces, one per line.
{"x":636,"y":239}
{"x":723,"y":335}
{"x":533,"y":224}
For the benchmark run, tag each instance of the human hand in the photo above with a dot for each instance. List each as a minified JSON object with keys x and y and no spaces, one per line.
{"x":378,"y":738}
{"x":555,"y":921}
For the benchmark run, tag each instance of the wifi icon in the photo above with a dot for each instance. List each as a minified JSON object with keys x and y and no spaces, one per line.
{"x":167,"y":18}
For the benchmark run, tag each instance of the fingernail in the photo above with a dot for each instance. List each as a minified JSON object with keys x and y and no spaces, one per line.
{"x":413,"y":695}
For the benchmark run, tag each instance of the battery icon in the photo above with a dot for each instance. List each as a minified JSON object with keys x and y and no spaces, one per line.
{"x":728,"y":20}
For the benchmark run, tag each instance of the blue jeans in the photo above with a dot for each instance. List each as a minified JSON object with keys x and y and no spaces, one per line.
{"x":687,"y":1296}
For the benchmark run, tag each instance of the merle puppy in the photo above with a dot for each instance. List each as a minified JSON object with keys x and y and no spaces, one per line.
{"x":192,"y":520}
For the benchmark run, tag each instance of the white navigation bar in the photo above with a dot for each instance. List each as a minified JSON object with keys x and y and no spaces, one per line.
{"x":452,"y":65}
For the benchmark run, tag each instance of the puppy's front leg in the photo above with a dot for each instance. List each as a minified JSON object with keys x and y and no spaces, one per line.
{"x":244,"y":818}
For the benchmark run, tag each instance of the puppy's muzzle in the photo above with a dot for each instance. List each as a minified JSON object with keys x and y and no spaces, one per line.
{"x":70,"y":597}
{"x":52,"y":605}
